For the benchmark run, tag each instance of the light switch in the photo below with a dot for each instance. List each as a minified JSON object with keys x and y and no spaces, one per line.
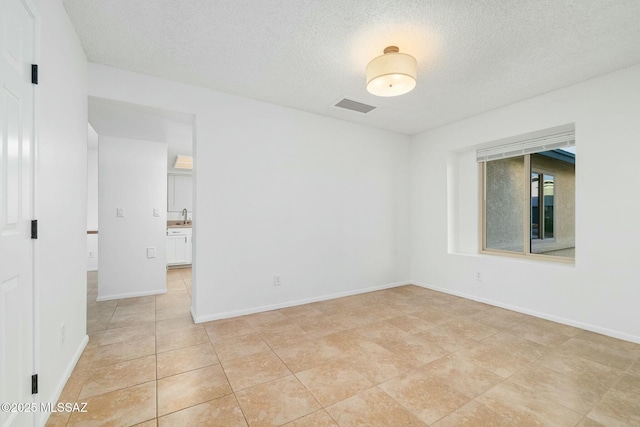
{"x":120,"y":212}
{"x":151,"y":252}
{"x":156,"y":212}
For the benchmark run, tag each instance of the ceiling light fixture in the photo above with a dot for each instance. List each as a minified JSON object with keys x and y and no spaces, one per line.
{"x":392,"y":74}
{"x":183,"y":162}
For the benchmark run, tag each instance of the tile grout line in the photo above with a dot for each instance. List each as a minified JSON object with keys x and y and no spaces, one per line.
{"x":330,"y":311}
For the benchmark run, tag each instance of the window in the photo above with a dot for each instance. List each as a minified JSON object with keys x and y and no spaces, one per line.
{"x":528,"y":197}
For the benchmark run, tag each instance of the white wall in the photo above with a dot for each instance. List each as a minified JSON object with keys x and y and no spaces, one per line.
{"x":92,"y":200}
{"x":61,"y":203}
{"x":177,"y":216}
{"x":132,"y":176}
{"x":600,"y":291}
{"x":274,"y":186}
{"x":319,"y":201}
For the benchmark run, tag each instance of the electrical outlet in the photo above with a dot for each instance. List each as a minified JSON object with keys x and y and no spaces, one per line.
{"x":91,"y":254}
{"x":479,"y":276}
{"x":63,"y":333}
{"x":151,"y":252}
{"x":276,"y":280}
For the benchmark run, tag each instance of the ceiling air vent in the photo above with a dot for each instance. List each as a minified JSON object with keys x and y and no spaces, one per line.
{"x":349,"y":104}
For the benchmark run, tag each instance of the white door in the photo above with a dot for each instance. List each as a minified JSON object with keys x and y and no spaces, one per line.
{"x":16,"y":209}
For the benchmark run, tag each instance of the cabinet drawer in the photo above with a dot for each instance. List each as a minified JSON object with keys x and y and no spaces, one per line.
{"x":179,"y":232}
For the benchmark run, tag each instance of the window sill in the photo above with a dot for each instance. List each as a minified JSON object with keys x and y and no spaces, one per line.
{"x":531,"y":257}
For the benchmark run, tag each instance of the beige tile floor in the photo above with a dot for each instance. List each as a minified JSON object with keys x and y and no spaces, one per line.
{"x":400,"y":357}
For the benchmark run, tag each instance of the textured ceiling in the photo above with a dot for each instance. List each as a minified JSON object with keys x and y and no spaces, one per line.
{"x":473,"y":56}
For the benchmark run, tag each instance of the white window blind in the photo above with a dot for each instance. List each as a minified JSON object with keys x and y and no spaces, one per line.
{"x":534,"y":145}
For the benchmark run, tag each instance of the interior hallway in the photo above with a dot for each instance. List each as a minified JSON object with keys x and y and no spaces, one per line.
{"x":404,"y":356}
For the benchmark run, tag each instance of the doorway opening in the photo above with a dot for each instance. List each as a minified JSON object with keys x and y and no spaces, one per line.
{"x":132,"y":199}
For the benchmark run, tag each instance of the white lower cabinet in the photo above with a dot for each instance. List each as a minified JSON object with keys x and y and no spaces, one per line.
{"x":178,"y":246}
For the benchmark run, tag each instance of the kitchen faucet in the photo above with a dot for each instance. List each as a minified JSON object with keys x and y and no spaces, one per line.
{"x":184,"y":212}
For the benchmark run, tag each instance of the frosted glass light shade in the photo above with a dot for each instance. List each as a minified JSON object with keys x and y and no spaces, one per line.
{"x":183,"y":162}
{"x":392,"y":74}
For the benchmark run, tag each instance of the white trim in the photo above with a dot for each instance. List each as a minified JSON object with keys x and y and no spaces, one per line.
{"x":63,"y":381}
{"x":526,"y":145}
{"x":235,"y":313}
{"x":131,"y":295}
{"x":586,"y":326}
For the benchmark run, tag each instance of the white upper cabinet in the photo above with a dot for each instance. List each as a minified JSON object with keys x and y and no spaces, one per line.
{"x":180,"y":193}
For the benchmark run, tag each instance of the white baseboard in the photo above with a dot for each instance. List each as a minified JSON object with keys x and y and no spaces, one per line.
{"x":259,"y":309}
{"x":570,"y":322}
{"x":131,"y":295}
{"x":65,"y":377}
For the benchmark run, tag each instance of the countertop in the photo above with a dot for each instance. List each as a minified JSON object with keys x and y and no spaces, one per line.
{"x":179,"y":224}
